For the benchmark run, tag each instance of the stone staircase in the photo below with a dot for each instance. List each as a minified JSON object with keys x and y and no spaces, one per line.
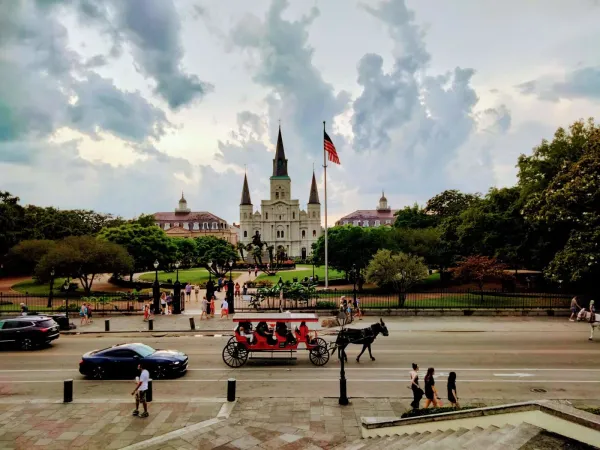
{"x":508,"y":437}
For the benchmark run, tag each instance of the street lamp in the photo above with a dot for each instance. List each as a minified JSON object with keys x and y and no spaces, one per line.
{"x":354,"y":280}
{"x":51,"y":293}
{"x":177,"y":291}
{"x":280,"y":284}
{"x":230,"y":296}
{"x":156,"y":289}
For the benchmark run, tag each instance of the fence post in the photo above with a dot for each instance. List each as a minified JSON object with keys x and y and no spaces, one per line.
{"x":107,"y":325}
{"x":68,"y":391}
{"x":192,"y":324}
{"x":149,"y":392}
{"x":150,"y":324}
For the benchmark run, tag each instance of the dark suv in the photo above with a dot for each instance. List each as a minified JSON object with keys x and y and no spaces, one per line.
{"x":28,"y":331}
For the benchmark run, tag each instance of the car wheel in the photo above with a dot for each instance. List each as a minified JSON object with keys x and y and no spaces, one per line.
{"x":98,"y":373}
{"x":159,"y":372}
{"x":26,"y":344}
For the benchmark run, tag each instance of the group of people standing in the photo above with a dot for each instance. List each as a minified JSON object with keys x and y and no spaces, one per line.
{"x":431,"y":393}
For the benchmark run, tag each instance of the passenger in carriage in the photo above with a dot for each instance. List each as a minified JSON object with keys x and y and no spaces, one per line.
{"x":245,"y":330}
{"x":263,"y":330}
{"x":282,"y":330}
{"x":303,"y":332}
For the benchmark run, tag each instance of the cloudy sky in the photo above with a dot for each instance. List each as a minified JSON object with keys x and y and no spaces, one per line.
{"x":119,"y":105}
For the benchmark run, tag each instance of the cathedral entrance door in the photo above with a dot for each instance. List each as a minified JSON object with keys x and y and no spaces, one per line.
{"x":303,"y":253}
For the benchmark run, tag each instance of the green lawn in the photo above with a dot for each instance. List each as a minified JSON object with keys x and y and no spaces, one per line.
{"x":302,"y":270}
{"x":194,"y":276}
{"x":34,"y":288}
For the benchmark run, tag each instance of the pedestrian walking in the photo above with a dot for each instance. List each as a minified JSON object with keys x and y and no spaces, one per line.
{"x":212,"y":306}
{"x":574,"y":309}
{"x":431,"y":394}
{"x":196,"y":292}
{"x":24,"y":309}
{"x":188,"y":291}
{"x":592,"y":312}
{"x":245,"y":289}
{"x":204,"y":308}
{"x":255,"y":271}
{"x":89,"y":312}
{"x":357,"y":312}
{"x":141,"y":389}
{"x":225,"y":308}
{"x":249,"y":271}
{"x":452,"y":395}
{"x":83,"y":315}
{"x":169,"y":303}
{"x":146,"y":312}
{"x":414,"y":386}
{"x":219,"y":284}
{"x":237,"y":289}
{"x":163,"y":303}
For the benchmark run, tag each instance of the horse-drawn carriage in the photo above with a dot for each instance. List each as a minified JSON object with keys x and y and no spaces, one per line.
{"x":254,"y":335}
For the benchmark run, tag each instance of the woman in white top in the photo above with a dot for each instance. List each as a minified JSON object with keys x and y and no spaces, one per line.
{"x":204,"y":308}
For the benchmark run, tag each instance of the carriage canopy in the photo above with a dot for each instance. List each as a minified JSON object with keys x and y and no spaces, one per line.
{"x":275,"y":317}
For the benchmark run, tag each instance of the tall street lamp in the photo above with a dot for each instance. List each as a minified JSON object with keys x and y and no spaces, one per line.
{"x":177,"y":291}
{"x":230,"y":296}
{"x":354,"y":276}
{"x":51,"y":293}
{"x":156,"y":289}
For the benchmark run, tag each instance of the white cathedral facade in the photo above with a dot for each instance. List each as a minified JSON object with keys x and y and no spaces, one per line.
{"x":280,"y":221}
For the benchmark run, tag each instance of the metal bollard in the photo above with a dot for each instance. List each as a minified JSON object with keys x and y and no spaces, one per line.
{"x":192,"y":324}
{"x":151,"y":324}
{"x":231,"y":390}
{"x":107,"y":325}
{"x":68,"y":391}
{"x":149,"y":392}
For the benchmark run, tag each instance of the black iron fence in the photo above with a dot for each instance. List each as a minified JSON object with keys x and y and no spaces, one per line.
{"x":102,"y":304}
{"x":435,"y":299}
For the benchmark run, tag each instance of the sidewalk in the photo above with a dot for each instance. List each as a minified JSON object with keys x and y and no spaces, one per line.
{"x":253,"y":423}
{"x":181,"y":323}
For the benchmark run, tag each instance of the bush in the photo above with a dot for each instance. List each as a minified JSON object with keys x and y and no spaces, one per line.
{"x":592,"y":410}
{"x":5,"y":302}
{"x":326,"y":305}
{"x":72,"y":308}
{"x":429,"y":411}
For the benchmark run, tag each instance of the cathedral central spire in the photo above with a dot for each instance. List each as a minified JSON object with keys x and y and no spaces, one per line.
{"x":245,"y":193}
{"x":280,"y":162}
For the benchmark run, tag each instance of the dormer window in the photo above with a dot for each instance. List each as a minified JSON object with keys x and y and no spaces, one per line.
{"x":356,"y":223}
{"x":377,"y":223}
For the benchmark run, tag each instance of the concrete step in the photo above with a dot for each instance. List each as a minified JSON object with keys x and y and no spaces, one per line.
{"x":516,"y":437}
{"x":450,"y":441}
{"x":433,"y":442}
{"x":405,"y":442}
{"x":467,"y":436}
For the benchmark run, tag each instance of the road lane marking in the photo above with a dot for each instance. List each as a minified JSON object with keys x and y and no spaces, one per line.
{"x":520,"y":375}
{"x":300,"y":380}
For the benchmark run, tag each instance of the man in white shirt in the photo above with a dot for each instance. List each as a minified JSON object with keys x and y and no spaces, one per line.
{"x":225,"y":309}
{"x":141,"y":389}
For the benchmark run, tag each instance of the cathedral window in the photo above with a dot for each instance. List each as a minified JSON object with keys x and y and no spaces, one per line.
{"x":279,"y":217}
{"x":277,"y":195}
{"x":303,"y":234}
{"x":281,"y":233}
{"x":245,"y":233}
{"x":314,"y":233}
{"x":245,"y":215}
{"x":278,"y":233}
{"x":293,"y":215}
{"x":266,"y":216}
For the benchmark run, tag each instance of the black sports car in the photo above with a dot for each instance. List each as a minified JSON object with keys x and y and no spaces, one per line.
{"x":122,"y":360}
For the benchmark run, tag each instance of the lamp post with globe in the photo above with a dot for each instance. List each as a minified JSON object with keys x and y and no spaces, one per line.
{"x":177,"y":291}
{"x":156,"y":289}
{"x":51,"y":293}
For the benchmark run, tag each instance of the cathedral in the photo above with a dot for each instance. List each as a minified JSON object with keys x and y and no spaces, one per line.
{"x":280,"y":221}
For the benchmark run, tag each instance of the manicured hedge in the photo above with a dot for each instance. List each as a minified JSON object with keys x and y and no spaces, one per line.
{"x":429,"y":411}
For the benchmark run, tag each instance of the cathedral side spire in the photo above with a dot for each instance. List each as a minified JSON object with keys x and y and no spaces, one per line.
{"x":280,"y":162}
{"x":245,"y":193}
{"x":313,"y":199}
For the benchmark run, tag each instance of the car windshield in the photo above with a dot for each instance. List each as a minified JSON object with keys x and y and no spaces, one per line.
{"x":142,"y":349}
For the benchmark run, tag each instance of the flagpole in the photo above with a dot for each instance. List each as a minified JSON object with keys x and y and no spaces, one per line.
{"x":325,"y":189}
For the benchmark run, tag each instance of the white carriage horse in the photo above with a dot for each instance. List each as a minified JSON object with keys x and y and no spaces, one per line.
{"x":585,"y":316}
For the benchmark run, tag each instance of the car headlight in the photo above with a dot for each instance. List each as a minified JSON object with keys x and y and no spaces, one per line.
{"x":176,"y":362}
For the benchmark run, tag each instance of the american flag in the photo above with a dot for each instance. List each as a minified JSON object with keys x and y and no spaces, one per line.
{"x":330,"y":149}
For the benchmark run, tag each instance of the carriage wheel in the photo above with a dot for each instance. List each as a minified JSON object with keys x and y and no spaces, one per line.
{"x":319,"y":355}
{"x":231,"y":339}
{"x":235,"y":354}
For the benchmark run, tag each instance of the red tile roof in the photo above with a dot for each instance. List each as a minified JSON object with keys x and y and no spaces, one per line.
{"x":369,"y":214}
{"x":193,"y":216}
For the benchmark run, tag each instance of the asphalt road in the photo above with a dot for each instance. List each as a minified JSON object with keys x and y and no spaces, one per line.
{"x":491,"y":364}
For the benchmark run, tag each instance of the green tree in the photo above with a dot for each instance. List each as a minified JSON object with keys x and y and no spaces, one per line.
{"x":450,"y":203}
{"x":215,"y":254}
{"x":24,"y":256}
{"x":144,"y":243}
{"x":399,"y":270}
{"x":423,"y":242}
{"x":186,"y":251}
{"x":349,"y":245}
{"x":11,"y":221}
{"x":84,"y":258}
{"x":52,"y":223}
{"x":415,"y":217}
{"x":145,"y":220}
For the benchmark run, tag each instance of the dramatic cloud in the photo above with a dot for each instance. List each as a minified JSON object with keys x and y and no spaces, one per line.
{"x":299,"y":95}
{"x":582,"y":83}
